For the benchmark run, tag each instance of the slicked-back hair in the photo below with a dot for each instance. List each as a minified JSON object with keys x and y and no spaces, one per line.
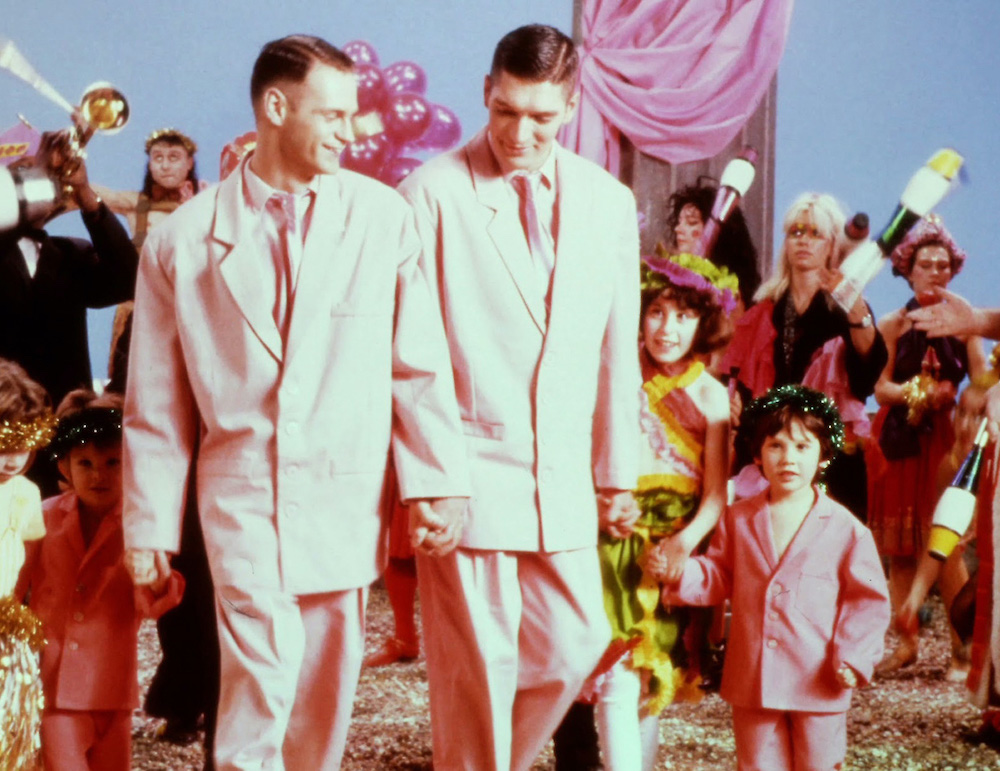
{"x":290,"y":58}
{"x":537,"y":53}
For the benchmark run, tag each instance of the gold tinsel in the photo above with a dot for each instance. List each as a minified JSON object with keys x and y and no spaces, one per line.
{"x":917,"y":396}
{"x":22,"y":436}
{"x":21,"y":699}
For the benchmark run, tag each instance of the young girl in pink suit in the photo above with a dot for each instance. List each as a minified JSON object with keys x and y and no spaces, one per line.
{"x":810,"y":602}
{"x":85,"y":598}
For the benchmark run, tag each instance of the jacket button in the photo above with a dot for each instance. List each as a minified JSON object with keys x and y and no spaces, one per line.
{"x":772,"y":643}
{"x":74,"y":645}
{"x":78,"y":616}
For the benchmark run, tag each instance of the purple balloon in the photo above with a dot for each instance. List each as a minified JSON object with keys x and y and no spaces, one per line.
{"x":398,"y":169}
{"x":367,"y":156}
{"x":371,"y":88}
{"x":406,"y":118}
{"x":444,"y":132}
{"x":405,"y":78}
{"x":361,"y":52}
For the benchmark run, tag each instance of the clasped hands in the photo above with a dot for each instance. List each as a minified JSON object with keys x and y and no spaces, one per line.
{"x":148,"y":567}
{"x":436,"y":524}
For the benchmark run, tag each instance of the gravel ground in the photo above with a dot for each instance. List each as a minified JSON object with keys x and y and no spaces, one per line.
{"x":913,"y":720}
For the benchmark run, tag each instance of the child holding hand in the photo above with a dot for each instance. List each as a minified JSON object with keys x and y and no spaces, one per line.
{"x":85,"y":598}
{"x":809,"y":598}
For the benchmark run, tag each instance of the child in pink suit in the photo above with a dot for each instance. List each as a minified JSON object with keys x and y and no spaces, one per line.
{"x":810,"y":601}
{"x":83,"y":594}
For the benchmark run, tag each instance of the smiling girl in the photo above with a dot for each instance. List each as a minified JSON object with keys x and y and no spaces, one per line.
{"x":681,"y":493}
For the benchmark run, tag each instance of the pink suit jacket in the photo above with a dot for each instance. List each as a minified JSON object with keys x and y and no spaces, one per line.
{"x":294,"y":438}
{"x":794,"y":620}
{"x":90,"y":611}
{"x":548,"y":398}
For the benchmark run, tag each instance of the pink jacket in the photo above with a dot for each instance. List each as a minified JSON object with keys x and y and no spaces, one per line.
{"x":90,"y":611}
{"x":294,"y":439}
{"x":548,"y":397}
{"x":795,"y":621}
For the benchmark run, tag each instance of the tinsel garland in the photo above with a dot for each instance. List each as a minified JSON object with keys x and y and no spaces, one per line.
{"x":21,"y":699}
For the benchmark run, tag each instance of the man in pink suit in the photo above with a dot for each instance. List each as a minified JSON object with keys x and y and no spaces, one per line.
{"x":282,"y":320}
{"x":534,"y":254}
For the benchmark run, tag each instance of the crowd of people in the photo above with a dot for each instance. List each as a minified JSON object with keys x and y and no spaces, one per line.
{"x":603,"y":472}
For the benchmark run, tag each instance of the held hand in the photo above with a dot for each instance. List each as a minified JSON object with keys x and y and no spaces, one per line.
{"x":847,"y":677}
{"x":735,"y":408}
{"x":617,"y":512}
{"x":159,"y":585}
{"x":675,"y":552}
{"x":436,"y":525}
{"x":942,"y":394}
{"x":952,"y":316}
{"x":141,"y":566}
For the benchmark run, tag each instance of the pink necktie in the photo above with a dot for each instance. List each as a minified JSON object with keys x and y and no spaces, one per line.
{"x":538,"y":242}
{"x":285,"y":262}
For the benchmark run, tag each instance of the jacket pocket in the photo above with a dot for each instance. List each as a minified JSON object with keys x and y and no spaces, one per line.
{"x":482,"y":430}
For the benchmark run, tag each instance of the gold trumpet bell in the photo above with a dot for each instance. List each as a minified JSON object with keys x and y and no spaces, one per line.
{"x":104,"y":107}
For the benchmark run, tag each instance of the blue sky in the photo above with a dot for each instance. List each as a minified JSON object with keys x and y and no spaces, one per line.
{"x":866,"y":92}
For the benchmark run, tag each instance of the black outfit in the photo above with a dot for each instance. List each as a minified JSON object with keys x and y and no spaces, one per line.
{"x":43,"y":318}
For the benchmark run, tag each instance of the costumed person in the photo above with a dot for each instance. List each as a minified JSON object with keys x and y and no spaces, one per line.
{"x":284,"y":325}
{"x":185,"y":687}
{"x":681,"y":494}
{"x":171,"y":178}
{"x":534,"y":254}
{"x":26,"y":426}
{"x":797,"y":334}
{"x":83,"y":594}
{"x":47,"y":283}
{"x":687,"y":212}
{"x":810,"y":602}
{"x":913,"y":428}
{"x":401,"y":585}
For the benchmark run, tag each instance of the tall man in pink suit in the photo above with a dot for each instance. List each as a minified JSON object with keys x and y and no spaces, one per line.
{"x":283,"y":321}
{"x":534,"y":254}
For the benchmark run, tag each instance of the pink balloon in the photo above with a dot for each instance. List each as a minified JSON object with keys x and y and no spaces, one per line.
{"x":406,"y":118}
{"x":398,"y":169}
{"x":444,"y":132}
{"x":371,"y":88}
{"x":367,"y":156}
{"x":405,"y":78}
{"x":361,"y":52}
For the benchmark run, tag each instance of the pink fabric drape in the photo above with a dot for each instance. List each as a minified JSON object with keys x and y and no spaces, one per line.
{"x":679,"y":78}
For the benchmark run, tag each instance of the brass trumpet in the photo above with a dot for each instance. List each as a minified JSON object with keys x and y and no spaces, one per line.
{"x":29,"y":193}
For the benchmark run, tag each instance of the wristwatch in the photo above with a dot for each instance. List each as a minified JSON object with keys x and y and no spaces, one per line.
{"x":865,"y":322}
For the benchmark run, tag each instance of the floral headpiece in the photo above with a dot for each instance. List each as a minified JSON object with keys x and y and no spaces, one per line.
{"x":27,"y":435}
{"x":171,"y":135}
{"x":802,"y":399}
{"x":91,"y":424}
{"x":690,"y":270}
{"x":930,"y":230}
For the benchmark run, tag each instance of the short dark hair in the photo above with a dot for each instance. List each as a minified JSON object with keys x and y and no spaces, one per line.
{"x":290,"y":59}
{"x":774,"y":422}
{"x":536,"y":53}
{"x":712,"y":332}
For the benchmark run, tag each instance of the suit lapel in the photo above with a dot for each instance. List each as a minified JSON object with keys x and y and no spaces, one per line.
{"x":760,"y":526}
{"x":572,"y":205}
{"x":809,"y":531}
{"x":325,"y":268}
{"x":504,"y":228}
{"x":240,"y":262}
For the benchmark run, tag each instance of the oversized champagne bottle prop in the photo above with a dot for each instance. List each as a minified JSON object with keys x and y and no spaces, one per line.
{"x":957,"y":504}
{"x":923,"y":192}
{"x":736,"y":180}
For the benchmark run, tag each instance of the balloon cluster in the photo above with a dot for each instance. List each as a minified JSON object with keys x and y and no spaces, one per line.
{"x":394,"y":118}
